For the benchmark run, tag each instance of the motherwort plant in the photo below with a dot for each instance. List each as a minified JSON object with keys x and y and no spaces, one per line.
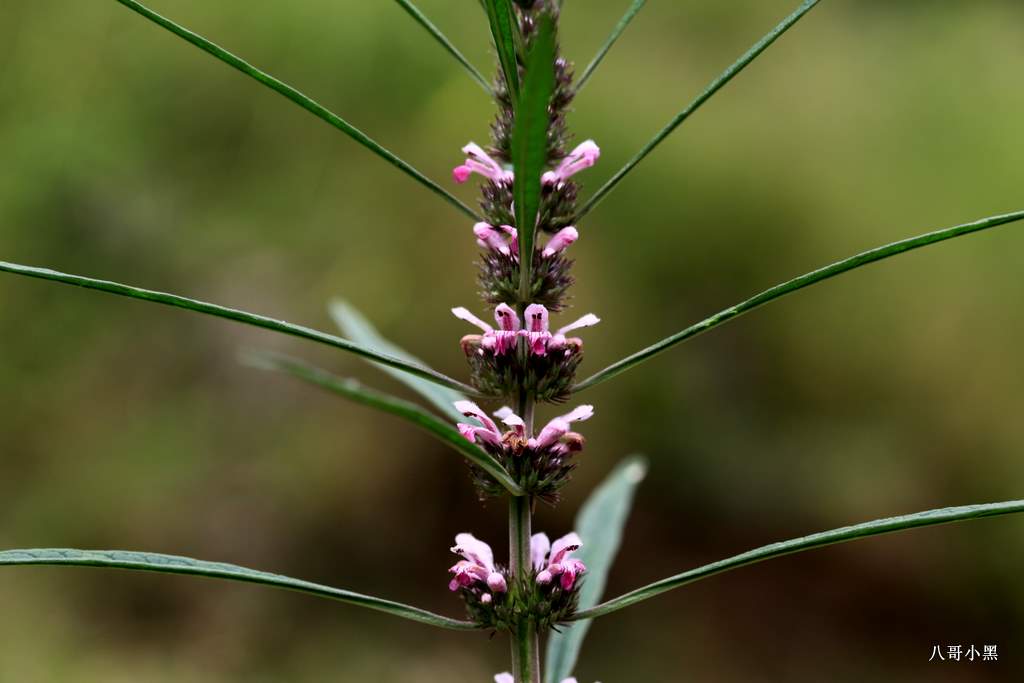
{"x":530,"y":215}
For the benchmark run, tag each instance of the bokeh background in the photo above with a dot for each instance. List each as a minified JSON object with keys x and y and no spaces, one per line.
{"x":130,"y":155}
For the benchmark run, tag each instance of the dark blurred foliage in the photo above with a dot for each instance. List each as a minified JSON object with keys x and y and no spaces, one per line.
{"x":130,"y":155}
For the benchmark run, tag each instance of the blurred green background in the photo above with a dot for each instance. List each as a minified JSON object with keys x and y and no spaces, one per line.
{"x":130,"y":155}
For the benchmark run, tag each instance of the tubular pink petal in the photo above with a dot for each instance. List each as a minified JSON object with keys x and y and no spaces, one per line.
{"x":544,"y":577}
{"x":503,"y":412}
{"x":506,"y":317}
{"x":568,"y":579}
{"x":552,"y":432}
{"x":579,"y":414}
{"x":460,"y":174}
{"x":589,"y":320}
{"x":474,"y":550}
{"x":491,"y":238}
{"x":561,"y":548}
{"x":536,"y":318}
{"x":561,"y":240}
{"x":496,"y":582}
{"x":470,"y":409}
{"x":467,"y":430}
{"x":463,"y":313}
{"x":540,"y":546}
{"x":516,"y":423}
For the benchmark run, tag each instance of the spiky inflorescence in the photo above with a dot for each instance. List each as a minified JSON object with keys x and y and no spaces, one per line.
{"x":546,"y":606}
{"x":544,"y":378}
{"x":541,"y":472}
{"x":499,"y":279}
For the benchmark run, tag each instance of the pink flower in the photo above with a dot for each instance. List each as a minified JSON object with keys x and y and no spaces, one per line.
{"x":540,"y":339}
{"x":536,"y":333}
{"x":478,"y":565}
{"x":478,"y":161}
{"x":584,"y":156}
{"x":500,"y":341}
{"x":560,"y":563}
{"x":488,"y":431}
{"x":559,"y":340}
{"x":512,"y":420}
{"x":560,"y":241}
{"x":502,"y":239}
{"x":559,"y":427}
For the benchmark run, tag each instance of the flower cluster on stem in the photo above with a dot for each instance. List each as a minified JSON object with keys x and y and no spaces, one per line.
{"x":520,"y":360}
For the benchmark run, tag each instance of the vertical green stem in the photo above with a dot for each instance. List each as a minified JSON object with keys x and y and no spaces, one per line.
{"x":525,"y":640}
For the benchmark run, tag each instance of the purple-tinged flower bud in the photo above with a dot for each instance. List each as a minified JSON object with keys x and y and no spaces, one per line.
{"x":584,"y":156}
{"x":496,"y":582}
{"x":490,"y":238}
{"x":544,"y":577}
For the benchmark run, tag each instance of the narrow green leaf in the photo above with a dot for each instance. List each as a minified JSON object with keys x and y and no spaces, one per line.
{"x":714,"y":87}
{"x":423,"y":21}
{"x":599,"y":524}
{"x":616,"y":32}
{"x":354,"y":391}
{"x":530,"y":142}
{"x":847,"y":533}
{"x":504,"y":30}
{"x":861,"y":259}
{"x":356,"y":327}
{"x":298,"y":98}
{"x":238,"y":316}
{"x":172,"y":564}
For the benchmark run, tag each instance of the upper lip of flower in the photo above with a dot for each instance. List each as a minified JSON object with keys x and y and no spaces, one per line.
{"x":584,"y":156}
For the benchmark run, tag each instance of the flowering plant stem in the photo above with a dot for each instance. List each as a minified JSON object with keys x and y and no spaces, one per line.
{"x":525,"y":640}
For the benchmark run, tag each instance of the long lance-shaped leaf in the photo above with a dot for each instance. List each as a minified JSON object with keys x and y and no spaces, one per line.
{"x":714,"y":87}
{"x":354,"y":391}
{"x":238,"y":316}
{"x":298,"y":98}
{"x":848,"y":533}
{"x":616,"y":32}
{"x":356,"y":327}
{"x":861,"y":259}
{"x":530,"y":142}
{"x":441,"y":38}
{"x":877,"y":527}
{"x":599,"y":524}
{"x":502,"y":20}
{"x":173,"y":564}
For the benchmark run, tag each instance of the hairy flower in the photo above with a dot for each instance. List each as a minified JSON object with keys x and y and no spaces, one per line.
{"x":541,"y":465}
{"x":478,"y":161}
{"x":545,"y":369}
{"x":584,"y":156}
{"x":539,"y":337}
{"x":554,"y":560}
{"x":477,"y":567}
{"x":502,"y":239}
